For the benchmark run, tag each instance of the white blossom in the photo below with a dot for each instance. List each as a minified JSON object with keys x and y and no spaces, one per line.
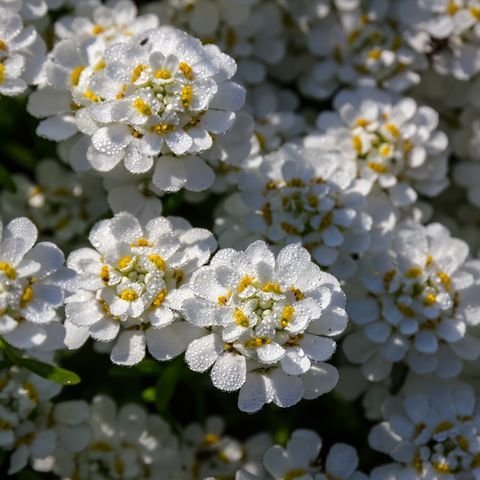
{"x":270,"y":319}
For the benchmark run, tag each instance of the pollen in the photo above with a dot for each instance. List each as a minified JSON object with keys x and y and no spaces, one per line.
{"x":429,"y":299}
{"x":445,"y":279}
{"x":392,"y":129}
{"x":27,"y":296}
{"x":163,"y":128}
{"x":187,"y":71}
{"x":121,"y":93}
{"x":377,"y":167}
{"x":162,"y":74}
{"x":141,"y":242}
{"x":160,"y":298}
{"x":100,"y":65}
{"x":223,"y":299}
{"x":137,"y":72}
{"x":240,"y":318}
{"x":385,"y":150}
{"x":75,"y":75}
{"x":257,"y":342}
{"x":297,"y":293}
{"x":362,"y":122}
{"x":129,"y":295}
{"x":272,"y":287}
{"x":186,"y":96}
{"x":414,"y":272}
{"x":357,"y":143}
{"x":158,"y":261}
{"x":9,"y":271}
{"x":105,"y":274}
{"x":374,"y":54}
{"x":97,"y":30}
{"x":441,"y":467}
{"x":407,"y":311}
{"x":452,"y":8}
{"x":211,"y":439}
{"x":287,"y":315}
{"x":142,"y":107}
{"x":125,"y":262}
{"x":475,"y":12}
{"x":245,"y":282}
{"x":91,"y":96}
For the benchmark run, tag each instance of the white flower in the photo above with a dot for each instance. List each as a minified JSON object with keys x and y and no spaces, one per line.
{"x":432,"y":432}
{"x":300,"y":459}
{"x":129,"y":286}
{"x":160,"y":94}
{"x":250,"y":31}
{"x":62,"y":204}
{"x":22,"y":53}
{"x":115,"y":21}
{"x":360,"y":46}
{"x":308,"y":196}
{"x":32,"y":283}
{"x":394,"y":142}
{"x":420,"y":301}
{"x":446,"y":30}
{"x":270,"y":320}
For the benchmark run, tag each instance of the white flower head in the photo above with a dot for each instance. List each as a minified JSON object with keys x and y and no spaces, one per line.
{"x":305,"y":196}
{"x":420,"y":302}
{"x":300,"y":459}
{"x":154,"y":100}
{"x":394,"y":142}
{"x":129,"y":286}
{"x":32,"y":286}
{"x":62,"y":204}
{"x":270,"y":321}
{"x":22,"y":53}
{"x":432,"y":432}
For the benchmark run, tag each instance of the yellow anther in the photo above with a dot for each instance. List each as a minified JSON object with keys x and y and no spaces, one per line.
{"x":100,"y":65}
{"x":429,"y":260}
{"x":407,"y":311}
{"x":91,"y":96}
{"x":388,"y":277}
{"x":272,"y":287}
{"x":312,"y":200}
{"x":362,"y":122}
{"x":137,"y":72}
{"x":31,"y":392}
{"x":445,"y":279}
{"x":162,"y":74}
{"x":357,"y":143}
{"x":142,"y":107}
{"x":210,"y":439}
{"x":475,"y":12}
{"x":121,"y":93}
{"x":2,"y":72}
{"x":374,"y":54}
{"x":429,"y":299}
{"x":125,"y":262}
{"x":160,"y":298}
{"x":245,"y":282}
{"x":452,"y":8}
{"x":267,"y":213}
{"x":178,"y":275}
{"x":158,"y":261}
{"x":9,"y":271}
{"x":353,"y":35}
{"x":129,"y":295}
{"x":257,"y":342}
{"x":162,"y":128}
{"x":377,"y":167}
{"x":414,"y":272}
{"x":187,"y":71}
{"x":136,"y":133}
{"x":462,"y":443}
{"x":295,"y":182}
{"x":293,"y":474}
{"x":298,"y":294}
{"x":3,"y":46}
{"x":105,"y":274}
{"x":240,"y":318}
{"x":75,"y":75}
{"x":141,"y":242}
{"x":27,"y":296}
{"x":441,"y":467}
{"x":223,"y":299}
{"x":475,"y":461}
{"x":392,"y":129}
{"x":287,"y":316}
{"x":326,"y":221}
{"x":385,"y":150}
{"x":407,"y":145}
{"x":289,"y":228}
{"x":97,"y":30}
{"x":186,"y":96}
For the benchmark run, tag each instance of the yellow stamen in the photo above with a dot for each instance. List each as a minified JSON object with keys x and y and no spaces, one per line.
{"x":27,"y":296}
{"x":160,"y":298}
{"x":2,"y":72}
{"x":377,"y":167}
{"x":9,"y":271}
{"x":272,"y":287}
{"x":141,"y":242}
{"x":186,"y":96}
{"x":392,"y":129}
{"x":267,"y":213}
{"x":257,"y":342}
{"x":357,"y":143}
{"x":163,"y":128}
{"x":142,"y":107}
{"x":407,"y":311}
{"x":3,"y":46}
{"x":210,"y":439}
{"x":125,"y":262}
{"x":452,"y":8}
{"x":31,"y":392}
{"x":287,"y":315}
{"x":75,"y":75}
{"x":105,"y":274}
{"x":240,"y":318}
{"x":100,"y":65}
{"x":158,"y":261}
{"x":223,"y":299}
{"x":162,"y":74}
{"x":245,"y":282}
{"x":441,"y":467}
{"x":187,"y":71}
{"x":97,"y":30}
{"x":137,"y":72}
{"x":445,"y":279}
{"x":362,"y":122}
{"x":374,"y":54}
{"x":297,"y":293}
{"x":414,"y":272}
{"x":462,"y":443}
{"x":289,"y":228}
{"x":129,"y":295}
{"x":385,"y":150}
{"x":293,"y":474}
{"x":430,"y":299}
{"x":91,"y":96}
{"x":475,"y":12}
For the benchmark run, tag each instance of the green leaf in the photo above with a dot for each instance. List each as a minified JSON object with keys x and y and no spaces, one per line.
{"x":166,"y":385}
{"x":50,"y":372}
